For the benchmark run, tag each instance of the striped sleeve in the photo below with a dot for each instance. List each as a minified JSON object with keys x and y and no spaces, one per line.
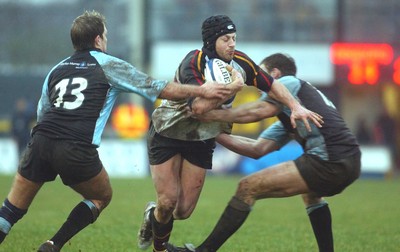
{"x":255,"y":76}
{"x":191,"y":68}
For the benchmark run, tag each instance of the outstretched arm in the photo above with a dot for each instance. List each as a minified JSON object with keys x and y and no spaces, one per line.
{"x":245,"y":113}
{"x":202,"y":105}
{"x":210,"y":89}
{"x":246,"y":146}
{"x":280,"y":93}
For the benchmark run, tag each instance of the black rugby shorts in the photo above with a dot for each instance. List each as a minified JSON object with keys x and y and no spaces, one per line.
{"x":45,"y":158}
{"x":161,"y":149}
{"x":327,"y":178}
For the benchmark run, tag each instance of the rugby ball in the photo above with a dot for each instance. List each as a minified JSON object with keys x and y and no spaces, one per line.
{"x":215,"y":70}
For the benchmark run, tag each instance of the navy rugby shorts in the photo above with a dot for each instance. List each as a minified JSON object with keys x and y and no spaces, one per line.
{"x":45,"y":158}
{"x":327,"y":178}
{"x":161,"y":149}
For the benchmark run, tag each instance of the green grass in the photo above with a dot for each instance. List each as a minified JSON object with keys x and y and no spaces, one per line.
{"x":366,"y":217}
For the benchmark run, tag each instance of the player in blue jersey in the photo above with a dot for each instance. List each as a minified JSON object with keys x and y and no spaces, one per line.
{"x":330,"y":163}
{"x":180,"y":148}
{"x":76,"y":101}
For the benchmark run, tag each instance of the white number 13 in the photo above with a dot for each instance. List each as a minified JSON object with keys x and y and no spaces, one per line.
{"x":81,"y":84}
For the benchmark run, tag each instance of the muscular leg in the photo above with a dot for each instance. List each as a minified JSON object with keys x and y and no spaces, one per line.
{"x":191,"y":184}
{"x":321,"y":221}
{"x":19,"y":199}
{"x":178,"y":185}
{"x":281,"y":180}
{"x":97,"y":194}
{"x":166,"y":182}
{"x":23,"y":191}
{"x":97,"y":189}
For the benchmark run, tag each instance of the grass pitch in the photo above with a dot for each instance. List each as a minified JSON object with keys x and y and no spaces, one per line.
{"x":366,"y":217}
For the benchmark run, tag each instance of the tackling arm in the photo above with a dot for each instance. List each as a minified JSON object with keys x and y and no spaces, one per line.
{"x":280,"y":93}
{"x":210,"y":91}
{"x":201,"y":105}
{"x":246,"y":113}
{"x":177,"y":91}
{"x":246,"y":146}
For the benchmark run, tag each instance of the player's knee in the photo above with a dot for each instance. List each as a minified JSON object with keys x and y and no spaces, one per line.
{"x":166,"y":206}
{"x":245,"y":191}
{"x":183,"y":214}
{"x":243,"y":187}
{"x":107,"y":198}
{"x":104,"y":200}
{"x":311,"y":199}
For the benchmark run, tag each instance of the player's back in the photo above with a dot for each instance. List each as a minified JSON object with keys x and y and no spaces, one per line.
{"x":334,"y":140}
{"x":76,"y":90}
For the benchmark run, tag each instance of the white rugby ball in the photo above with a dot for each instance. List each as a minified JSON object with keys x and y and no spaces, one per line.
{"x":216,"y":71}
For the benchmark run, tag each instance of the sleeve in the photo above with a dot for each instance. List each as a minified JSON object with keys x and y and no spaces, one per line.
{"x":293,"y":85}
{"x":126,"y":78}
{"x":277,"y":133}
{"x":44,"y":101}
{"x":191,"y":69}
{"x":255,"y":76}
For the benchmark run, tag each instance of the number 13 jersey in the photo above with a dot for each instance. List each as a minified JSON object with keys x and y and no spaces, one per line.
{"x":78,"y":95}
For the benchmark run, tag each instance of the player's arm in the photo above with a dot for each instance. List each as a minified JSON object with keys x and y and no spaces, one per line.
{"x":280,"y":93}
{"x":277,"y":91}
{"x":271,"y":139}
{"x":44,"y":102}
{"x":209,"y":90}
{"x":126,"y":78}
{"x":200,"y":105}
{"x":245,"y":113}
{"x":246,"y":146}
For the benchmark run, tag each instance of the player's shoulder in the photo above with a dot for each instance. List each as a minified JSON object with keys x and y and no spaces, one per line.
{"x":194,"y":59}
{"x":291,"y":79}
{"x":241,"y":55}
{"x":104,"y":58}
{"x":292,"y":83}
{"x":245,"y":61}
{"x":193,"y":54}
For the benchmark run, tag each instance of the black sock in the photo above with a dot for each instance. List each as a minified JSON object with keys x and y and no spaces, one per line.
{"x":230,"y":221}
{"x":161,"y":232}
{"x":9,"y":215}
{"x":321,"y":222}
{"x":2,"y":236}
{"x":80,"y":217}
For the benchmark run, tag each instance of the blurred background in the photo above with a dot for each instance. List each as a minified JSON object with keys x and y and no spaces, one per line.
{"x":349,"y":49}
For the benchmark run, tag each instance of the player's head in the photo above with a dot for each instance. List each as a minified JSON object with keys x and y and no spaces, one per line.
{"x":89,"y":31}
{"x":219,"y":36}
{"x":278,"y":65}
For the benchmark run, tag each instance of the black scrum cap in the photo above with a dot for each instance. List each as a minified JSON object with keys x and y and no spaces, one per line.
{"x":214,"y":27}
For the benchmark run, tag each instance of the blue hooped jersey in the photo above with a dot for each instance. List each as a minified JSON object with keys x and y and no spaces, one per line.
{"x":331,"y":142}
{"x":78,"y":95}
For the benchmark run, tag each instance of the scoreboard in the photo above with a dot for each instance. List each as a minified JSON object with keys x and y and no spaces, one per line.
{"x":366,"y":63}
